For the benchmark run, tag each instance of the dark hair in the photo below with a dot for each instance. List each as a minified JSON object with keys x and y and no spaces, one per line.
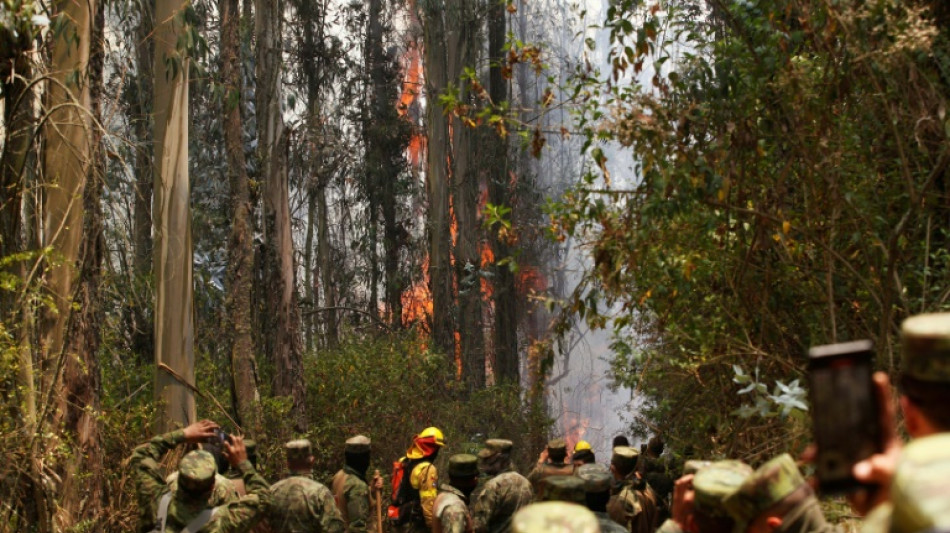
{"x":713,"y":524}
{"x":931,"y":398}
{"x":586,"y":456}
{"x":358,"y":461}
{"x":621,"y":440}
{"x":597,"y":501}
{"x":557,"y":455}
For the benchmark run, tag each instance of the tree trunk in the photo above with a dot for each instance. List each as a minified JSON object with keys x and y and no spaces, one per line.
{"x":503,"y":283}
{"x":174,"y":286}
{"x":139,"y":321}
{"x":462,"y":44}
{"x":82,"y":489}
{"x":279,"y":263}
{"x":326,"y":269}
{"x":308,"y":270}
{"x":240,"y":270}
{"x":437,"y":178}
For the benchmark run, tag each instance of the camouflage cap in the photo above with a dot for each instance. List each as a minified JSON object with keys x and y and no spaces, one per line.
{"x":196,"y":471}
{"x":919,"y":490}
{"x":927,"y":347}
{"x":250,"y":445}
{"x":717,"y":481}
{"x":298,"y":450}
{"x":596,"y":478}
{"x":693,"y":466}
{"x":564,"y":488}
{"x":554,"y":517}
{"x":765,"y":487}
{"x":463,"y":465}
{"x":557,"y":445}
{"x":495,"y":446}
{"x":625,"y":457}
{"x":357,"y":444}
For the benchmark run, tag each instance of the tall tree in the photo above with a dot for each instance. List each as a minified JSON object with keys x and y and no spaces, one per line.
{"x":240,"y":270}
{"x":283,"y":314}
{"x":503,"y":283}
{"x":174,"y":286}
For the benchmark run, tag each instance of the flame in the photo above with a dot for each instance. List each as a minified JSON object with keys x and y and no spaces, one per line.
{"x":417,"y":301}
{"x":531,"y":280}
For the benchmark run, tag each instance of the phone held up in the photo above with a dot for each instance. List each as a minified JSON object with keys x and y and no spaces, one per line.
{"x":845,"y":412}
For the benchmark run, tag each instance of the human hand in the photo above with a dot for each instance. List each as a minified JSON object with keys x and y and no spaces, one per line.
{"x":543,"y":456}
{"x":879,"y":468}
{"x":200,"y":431}
{"x":234,"y":450}
{"x":683,"y":495}
{"x":377,"y":481}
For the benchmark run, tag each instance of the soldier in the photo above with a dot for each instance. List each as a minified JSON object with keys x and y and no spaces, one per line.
{"x":596,"y":480}
{"x":919,"y":492}
{"x":301,"y":504}
{"x":450,"y":509}
{"x":925,"y":394}
{"x":654,"y":468}
{"x":711,"y":486}
{"x":564,"y":489}
{"x":189,"y":505}
{"x":554,"y":517}
{"x":350,"y":491}
{"x":233,"y":476}
{"x":503,"y":494}
{"x":776,"y":498}
{"x":583,"y":454}
{"x":634,"y":504}
{"x":550,"y":463}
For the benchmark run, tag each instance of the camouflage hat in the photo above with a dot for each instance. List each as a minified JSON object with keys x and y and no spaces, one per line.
{"x":693,"y":466}
{"x":463,"y":465}
{"x":564,"y":488}
{"x":554,"y":517}
{"x":625,"y":457}
{"x":717,"y":481}
{"x":927,"y":347}
{"x":495,"y":446}
{"x":298,"y":450}
{"x":765,"y":487}
{"x":557,"y":445}
{"x":357,"y":444}
{"x":596,"y":478}
{"x":196,"y":471}
{"x":919,"y":490}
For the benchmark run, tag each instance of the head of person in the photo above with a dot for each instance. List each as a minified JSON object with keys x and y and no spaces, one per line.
{"x":620,"y":440}
{"x":693,"y":466}
{"x":712,"y":484}
{"x":251,"y":446}
{"x":623,"y":462}
{"x":495,"y":457}
{"x":583,"y":453}
{"x":918,"y":501}
{"x":463,"y":472}
{"x":356,"y":453}
{"x":426,"y":444}
{"x":215,"y":448}
{"x":596,"y":479}
{"x":196,"y":472}
{"x":564,"y":489}
{"x":556,"y":516}
{"x":299,"y":456}
{"x":557,"y":451}
{"x":764,"y":499}
{"x":925,"y":374}
{"x":655,"y":446}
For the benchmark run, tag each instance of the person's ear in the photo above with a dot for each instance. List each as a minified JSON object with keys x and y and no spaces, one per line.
{"x":773,"y":522}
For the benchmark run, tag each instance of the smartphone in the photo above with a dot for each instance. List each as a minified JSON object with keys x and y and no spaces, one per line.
{"x":845,"y":412}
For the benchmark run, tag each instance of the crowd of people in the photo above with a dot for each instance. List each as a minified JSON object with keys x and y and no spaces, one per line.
{"x":217,"y":488}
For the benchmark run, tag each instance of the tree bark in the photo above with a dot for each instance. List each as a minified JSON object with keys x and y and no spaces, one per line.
{"x":240,"y":270}
{"x":279,"y":264}
{"x":503,"y":283}
{"x":437,"y":178}
{"x":174,"y":286}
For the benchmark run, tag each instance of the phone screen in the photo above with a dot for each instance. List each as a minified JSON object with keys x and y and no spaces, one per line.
{"x":844,"y":411}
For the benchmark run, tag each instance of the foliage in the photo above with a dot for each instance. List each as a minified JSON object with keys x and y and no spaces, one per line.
{"x":789,"y":190}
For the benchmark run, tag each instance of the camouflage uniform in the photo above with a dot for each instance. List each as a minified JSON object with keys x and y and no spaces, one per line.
{"x":554,"y":517}
{"x":778,"y":481}
{"x":919,"y":491}
{"x":450,"y":509}
{"x":300,"y":504}
{"x":234,"y":477}
{"x":497,"y":499}
{"x":196,"y":469}
{"x":351,"y":492}
{"x":553,"y":467}
{"x":225,"y":489}
{"x":596,"y":485}
{"x":634,"y":504}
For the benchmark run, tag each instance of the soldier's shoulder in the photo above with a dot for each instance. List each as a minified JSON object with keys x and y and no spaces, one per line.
{"x":301,"y":484}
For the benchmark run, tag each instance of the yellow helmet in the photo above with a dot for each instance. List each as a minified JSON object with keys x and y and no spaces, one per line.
{"x":581,"y":445}
{"x":435,"y":433}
